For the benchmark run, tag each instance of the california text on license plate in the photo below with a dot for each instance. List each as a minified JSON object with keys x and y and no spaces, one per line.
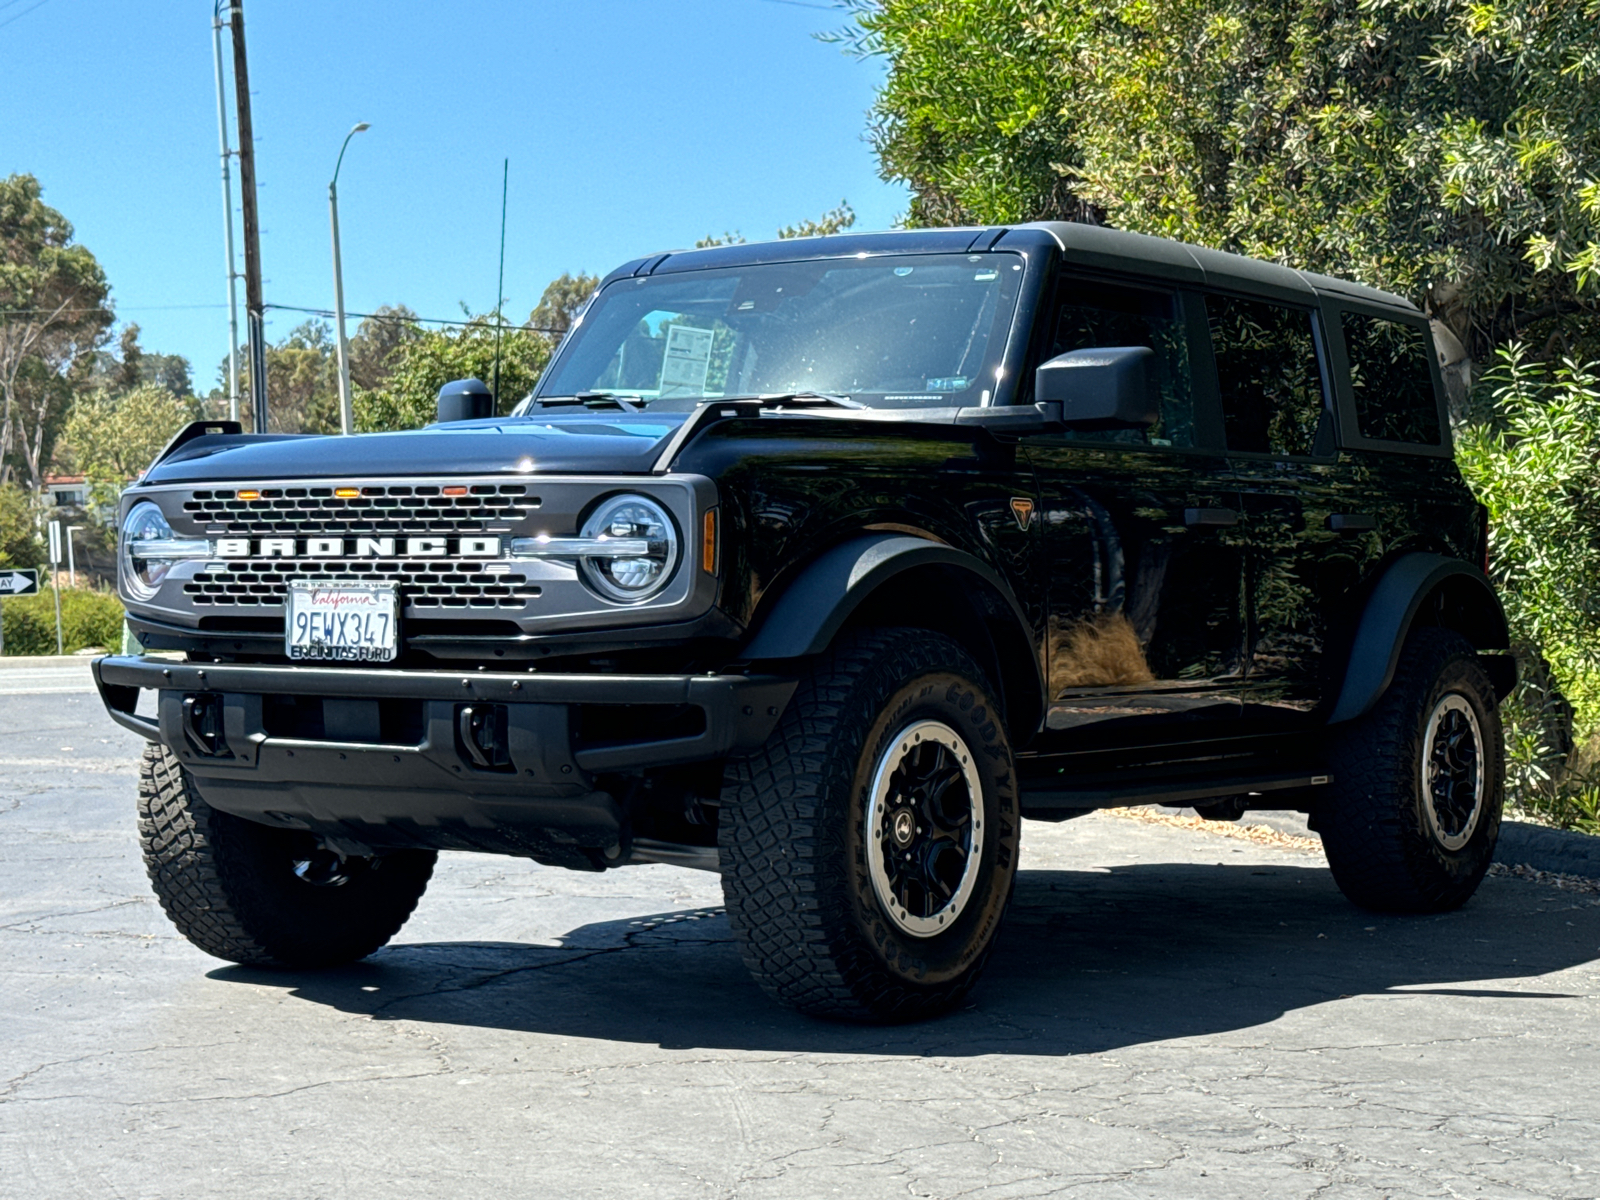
{"x":342,"y":623}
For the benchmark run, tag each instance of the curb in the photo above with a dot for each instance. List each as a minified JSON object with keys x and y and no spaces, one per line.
{"x":1522,"y":843}
{"x":1546,"y":849}
{"x":36,"y":661}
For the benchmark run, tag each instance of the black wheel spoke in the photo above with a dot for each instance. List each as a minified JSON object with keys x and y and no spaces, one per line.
{"x":924,"y":831}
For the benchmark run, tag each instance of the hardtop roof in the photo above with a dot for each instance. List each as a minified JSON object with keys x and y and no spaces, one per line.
{"x":1087,"y":245}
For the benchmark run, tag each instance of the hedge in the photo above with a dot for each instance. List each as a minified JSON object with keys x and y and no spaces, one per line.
{"x":88,"y":619}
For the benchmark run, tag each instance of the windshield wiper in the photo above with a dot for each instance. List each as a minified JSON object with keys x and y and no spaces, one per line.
{"x":591,"y":400}
{"x":799,"y":400}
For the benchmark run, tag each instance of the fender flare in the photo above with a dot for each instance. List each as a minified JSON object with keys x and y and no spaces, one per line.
{"x":1408,"y":583}
{"x":815,"y":605}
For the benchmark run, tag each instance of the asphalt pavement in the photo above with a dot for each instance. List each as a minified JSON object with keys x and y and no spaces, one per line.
{"x":1170,"y":1012}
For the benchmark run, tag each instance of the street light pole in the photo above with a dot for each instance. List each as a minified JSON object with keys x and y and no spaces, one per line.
{"x":227,"y":219}
{"x":347,"y":424}
{"x":72,"y":567}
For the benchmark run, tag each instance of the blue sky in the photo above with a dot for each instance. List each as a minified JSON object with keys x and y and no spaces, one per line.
{"x":631,"y":127}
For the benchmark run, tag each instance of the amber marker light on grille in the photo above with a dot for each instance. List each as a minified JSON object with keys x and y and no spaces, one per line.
{"x":454,"y":491}
{"x":708,"y":545}
{"x":347,"y":493}
{"x":249,"y":495}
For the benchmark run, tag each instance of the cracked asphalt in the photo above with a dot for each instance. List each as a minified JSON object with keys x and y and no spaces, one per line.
{"x":1170,"y":1013}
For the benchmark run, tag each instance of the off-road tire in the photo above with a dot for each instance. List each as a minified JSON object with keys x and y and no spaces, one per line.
{"x":229,"y":886}
{"x":792,"y":839}
{"x":1381,"y":847}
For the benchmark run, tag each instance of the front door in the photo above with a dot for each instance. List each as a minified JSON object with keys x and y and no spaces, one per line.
{"x":1141,"y":538}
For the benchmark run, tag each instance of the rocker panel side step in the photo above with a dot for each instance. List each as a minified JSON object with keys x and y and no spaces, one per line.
{"x":1044,"y":796}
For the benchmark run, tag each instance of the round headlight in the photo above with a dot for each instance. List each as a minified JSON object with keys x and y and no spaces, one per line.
{"x":643,"y":570}
{"x":145,"y":523}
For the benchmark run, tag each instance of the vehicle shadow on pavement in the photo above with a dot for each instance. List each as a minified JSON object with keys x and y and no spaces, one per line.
{"x":1088,"y":961}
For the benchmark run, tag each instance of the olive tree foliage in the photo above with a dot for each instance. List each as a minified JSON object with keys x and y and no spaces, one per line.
{"x":1445,"y":149}
{"x":54,"y":314}
{"x":835,"y":220}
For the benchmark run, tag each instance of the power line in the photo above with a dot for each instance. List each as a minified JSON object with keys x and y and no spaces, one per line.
{"x":23,"y":13}
{"x":396,"y":319}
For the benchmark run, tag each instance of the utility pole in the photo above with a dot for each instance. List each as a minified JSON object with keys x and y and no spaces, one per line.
{"x":227,"y":216}
{"x":255,"y":315}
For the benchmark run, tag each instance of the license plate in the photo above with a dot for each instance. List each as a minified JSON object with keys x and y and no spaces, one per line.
{"x":342,"y":623}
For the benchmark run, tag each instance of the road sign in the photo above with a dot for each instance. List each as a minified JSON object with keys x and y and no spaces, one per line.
{"x":55,"y":543}
{"x":18,"y":583}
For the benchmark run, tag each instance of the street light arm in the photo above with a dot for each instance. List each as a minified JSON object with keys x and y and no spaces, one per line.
{"x":360,"y":127}
{"x":346,"y":412}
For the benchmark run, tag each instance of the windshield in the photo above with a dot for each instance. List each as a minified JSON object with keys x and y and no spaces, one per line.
{"x":924,"y":330}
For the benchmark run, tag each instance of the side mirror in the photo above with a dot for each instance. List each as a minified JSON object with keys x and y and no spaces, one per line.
{"x":1105,"y":388}
{"x":465,"y":400}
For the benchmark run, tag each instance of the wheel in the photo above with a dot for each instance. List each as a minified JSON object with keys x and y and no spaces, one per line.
{"x":869,"y":848}
{"x":1410,"y":821}
{"x":262,"y":896}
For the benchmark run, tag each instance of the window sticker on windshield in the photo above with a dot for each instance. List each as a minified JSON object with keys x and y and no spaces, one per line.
{"x":948,"y":383}
{"x":686,"y":361}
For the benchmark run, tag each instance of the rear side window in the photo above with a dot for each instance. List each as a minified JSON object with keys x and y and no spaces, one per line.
{"x":1391,"y":379}
{"x":1092,"y":315}
{"x":1268,"y":375}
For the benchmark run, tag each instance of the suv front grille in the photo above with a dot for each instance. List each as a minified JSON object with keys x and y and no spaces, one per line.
{"x":449,"y":584}
{"x":376,"y":510}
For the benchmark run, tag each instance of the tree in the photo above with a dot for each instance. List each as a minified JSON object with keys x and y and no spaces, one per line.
{"x":1448,"y":150}
{"x":53,"y":315}
{"x":19,"y":532}
{"x":835,"y":220}
{"x":302,"y":381}
{"x":408,"y":398}
{"x":113,"y":437}
{"x":561,"y":303}
{"x":132,"y":365}
{"x":376,"y":348}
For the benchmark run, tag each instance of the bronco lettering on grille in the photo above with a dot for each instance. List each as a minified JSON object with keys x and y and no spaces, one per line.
{"x":364,"y":547}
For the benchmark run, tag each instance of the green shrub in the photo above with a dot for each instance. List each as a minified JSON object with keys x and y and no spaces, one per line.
{"x":1530,"y":456}
{"x":88,"y":619}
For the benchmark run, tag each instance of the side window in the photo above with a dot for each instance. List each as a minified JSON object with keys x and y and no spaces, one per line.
{"x":1390,"y":377}
{"x":1091,"y":315}
{"x":1268,"y":376}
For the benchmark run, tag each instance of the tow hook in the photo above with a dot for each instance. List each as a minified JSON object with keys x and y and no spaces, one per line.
{"x":481,"y":734}
{"x":202,"y":725}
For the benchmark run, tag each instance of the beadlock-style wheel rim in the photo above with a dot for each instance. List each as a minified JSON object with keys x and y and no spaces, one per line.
{"x":1452,"y":772}
{"x":924,"y":828}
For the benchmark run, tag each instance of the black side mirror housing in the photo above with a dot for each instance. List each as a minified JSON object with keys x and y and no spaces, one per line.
{"x":1106,"y":388}
{"x":465,"y":400}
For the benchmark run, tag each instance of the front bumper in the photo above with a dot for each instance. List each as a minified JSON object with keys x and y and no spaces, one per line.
{"x":418,"y":787}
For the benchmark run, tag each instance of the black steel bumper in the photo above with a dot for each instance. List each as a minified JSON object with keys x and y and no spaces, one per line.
{"x":350,"y":779}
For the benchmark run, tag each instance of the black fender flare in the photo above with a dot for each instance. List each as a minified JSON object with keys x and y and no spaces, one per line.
{"x":1411,"y":581}
{"x":811,"y":610}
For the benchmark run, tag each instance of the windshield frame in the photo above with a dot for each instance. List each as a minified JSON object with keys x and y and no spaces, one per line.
{"x":1016,"y":303}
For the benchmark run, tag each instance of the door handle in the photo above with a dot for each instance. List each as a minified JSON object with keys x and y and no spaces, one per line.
{"x":1351,"y":522}
{"x":1219,"y":517}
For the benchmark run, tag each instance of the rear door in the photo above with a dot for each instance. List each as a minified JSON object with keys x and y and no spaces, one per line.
{"x":1272,"y":379}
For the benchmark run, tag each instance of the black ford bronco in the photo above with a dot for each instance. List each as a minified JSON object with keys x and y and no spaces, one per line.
{"x":819,"y":564}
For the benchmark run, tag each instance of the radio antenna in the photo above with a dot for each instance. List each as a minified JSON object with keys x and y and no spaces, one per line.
{"x":500,"y":287}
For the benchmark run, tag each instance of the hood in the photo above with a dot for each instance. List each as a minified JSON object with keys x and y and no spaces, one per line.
{"x":580,"y":444}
